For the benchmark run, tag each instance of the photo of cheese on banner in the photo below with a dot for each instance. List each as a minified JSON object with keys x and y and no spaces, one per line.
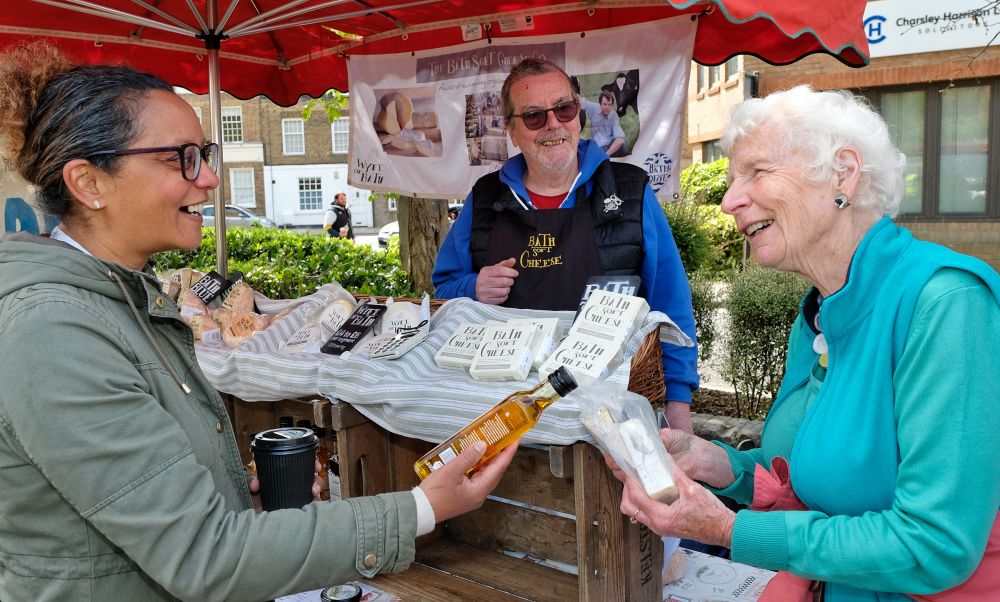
{"x":406,"y":122}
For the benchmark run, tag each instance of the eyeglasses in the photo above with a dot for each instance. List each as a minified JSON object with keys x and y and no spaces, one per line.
{"x":564,"y":112}
{"x":190,"y":156}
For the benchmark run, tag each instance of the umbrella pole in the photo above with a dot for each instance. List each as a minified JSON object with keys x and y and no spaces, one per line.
{"x":212,"y":41}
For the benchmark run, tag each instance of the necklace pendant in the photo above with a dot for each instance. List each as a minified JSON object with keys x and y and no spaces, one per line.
{"x":819,"y":344}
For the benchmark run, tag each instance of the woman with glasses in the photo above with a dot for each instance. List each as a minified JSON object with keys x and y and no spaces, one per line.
{"x":557,"y":214}
{"x":119,"y":472}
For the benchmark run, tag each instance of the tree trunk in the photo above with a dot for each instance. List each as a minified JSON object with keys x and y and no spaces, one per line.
{"x":423,"y":224}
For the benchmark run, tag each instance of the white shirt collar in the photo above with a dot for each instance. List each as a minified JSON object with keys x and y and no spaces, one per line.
{"x":60,"y":235}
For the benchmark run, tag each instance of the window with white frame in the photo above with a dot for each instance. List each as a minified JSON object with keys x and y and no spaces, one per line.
{"x":392,"y":204}
{"x":310,"y":194}
{"x":340,"y":132}
{"x":732,"y":68}
{"x":232,"y":124}
{"x":293,"y":136}
{"x":241,"y":187}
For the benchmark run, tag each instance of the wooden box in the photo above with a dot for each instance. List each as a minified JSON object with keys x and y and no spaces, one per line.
{"x":555,"y":502}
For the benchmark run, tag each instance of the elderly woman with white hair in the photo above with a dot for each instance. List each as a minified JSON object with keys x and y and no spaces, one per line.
{"x":878,"y":475}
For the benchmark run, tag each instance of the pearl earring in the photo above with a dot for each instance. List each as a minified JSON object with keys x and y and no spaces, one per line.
{"x":840,"y":200}
{"x":97,"y":204}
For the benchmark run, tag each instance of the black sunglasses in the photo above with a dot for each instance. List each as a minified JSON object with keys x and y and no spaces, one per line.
{"x":565,"y":111}
{"x":190,"y":155}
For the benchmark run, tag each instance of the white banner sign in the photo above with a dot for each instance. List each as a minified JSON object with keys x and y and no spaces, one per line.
{"x":895,"y":27}
{"x":430,"y":124}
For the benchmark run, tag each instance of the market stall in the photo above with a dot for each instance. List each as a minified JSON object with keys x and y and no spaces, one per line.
{"x":558,"y":504}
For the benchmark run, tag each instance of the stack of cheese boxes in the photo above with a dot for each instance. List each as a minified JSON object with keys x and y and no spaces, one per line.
{"x":592,"y":348}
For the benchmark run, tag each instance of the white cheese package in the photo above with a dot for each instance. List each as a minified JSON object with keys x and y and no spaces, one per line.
{"x":321,"y":325}
{"x":461,"y":347}
{"x":505,"y":353}
{"x":403,"y":316}
{"x":623,"y":425}
{"x":588,"y":358}
{"x":543,"y":344}
{"x":608,"y":315}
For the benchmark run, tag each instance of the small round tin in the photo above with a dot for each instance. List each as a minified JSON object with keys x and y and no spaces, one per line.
{"x":346,"y":592}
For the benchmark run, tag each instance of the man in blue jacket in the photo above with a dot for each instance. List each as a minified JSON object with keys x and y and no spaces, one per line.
{"x":532,"y":234}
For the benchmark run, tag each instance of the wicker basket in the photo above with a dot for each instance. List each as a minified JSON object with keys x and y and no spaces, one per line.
{"x":646,"y":376}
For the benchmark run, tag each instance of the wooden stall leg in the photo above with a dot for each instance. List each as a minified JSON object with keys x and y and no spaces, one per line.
{"x":364,"y":451}
{"x":616,"y":560}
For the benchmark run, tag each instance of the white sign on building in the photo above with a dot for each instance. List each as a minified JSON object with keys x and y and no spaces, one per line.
{"x":896,"y":27}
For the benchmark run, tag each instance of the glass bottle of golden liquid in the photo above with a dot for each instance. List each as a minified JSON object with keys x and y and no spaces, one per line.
{"x":501,"y":425}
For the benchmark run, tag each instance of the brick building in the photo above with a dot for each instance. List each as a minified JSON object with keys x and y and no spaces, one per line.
{"x":942,"y":105}
{"x":285,"y":167}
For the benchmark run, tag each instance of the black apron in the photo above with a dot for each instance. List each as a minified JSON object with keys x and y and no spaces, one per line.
{"x":555,"y":255}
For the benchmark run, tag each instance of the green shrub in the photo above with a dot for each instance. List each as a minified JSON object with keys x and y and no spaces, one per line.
{"x":283,"y":264}
{"x":707,"y":238}
{"x":705,"y":183}
{"x":689,"y":233}
{"x":762,"y":305}
{"x":724,"y":239}
{"x":704,"y":303}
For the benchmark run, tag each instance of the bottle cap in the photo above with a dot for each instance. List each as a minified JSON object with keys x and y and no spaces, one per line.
{"x":562,"y":381}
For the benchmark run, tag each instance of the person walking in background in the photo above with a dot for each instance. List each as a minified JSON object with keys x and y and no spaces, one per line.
{"x":878,"y":474}
{"x":120,"y":477}
{"x":337,"y":221}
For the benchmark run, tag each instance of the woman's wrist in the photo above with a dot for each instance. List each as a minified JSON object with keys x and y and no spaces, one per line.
{"x":714,"y":467}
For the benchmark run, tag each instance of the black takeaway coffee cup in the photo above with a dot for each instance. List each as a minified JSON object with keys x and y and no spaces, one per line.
{"x":286,"y":465}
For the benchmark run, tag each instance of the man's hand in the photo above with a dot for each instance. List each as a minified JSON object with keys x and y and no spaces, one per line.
{"x":494,"y":282}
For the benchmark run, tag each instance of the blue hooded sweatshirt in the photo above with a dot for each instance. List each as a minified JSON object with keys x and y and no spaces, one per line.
{"x":664,"y":283}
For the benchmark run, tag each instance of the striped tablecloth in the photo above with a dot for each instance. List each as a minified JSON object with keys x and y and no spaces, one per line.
{"x":410,"y":396}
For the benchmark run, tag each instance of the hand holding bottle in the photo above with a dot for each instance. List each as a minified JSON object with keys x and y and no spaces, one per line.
{"x":451,"y":493}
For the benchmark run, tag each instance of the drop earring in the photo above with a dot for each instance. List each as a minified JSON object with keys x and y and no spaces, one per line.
{"x":97,"y":204}
{"x":840,"y":200}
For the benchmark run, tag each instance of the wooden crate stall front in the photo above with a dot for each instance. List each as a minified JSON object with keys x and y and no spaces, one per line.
{"x":555,"y":502}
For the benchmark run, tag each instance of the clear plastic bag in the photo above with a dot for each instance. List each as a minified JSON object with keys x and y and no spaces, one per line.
{"x":623,"y":425}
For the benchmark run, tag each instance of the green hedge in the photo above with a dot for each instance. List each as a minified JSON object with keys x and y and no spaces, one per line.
{"x":705,"y":183}
{"x":284,"y":264}
{"x":762,"y":305}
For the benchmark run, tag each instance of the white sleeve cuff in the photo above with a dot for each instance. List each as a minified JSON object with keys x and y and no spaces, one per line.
{"x":425,"y":512}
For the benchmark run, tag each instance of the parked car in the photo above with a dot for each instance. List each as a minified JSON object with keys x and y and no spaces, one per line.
{"x":388,"y":231}
{"x":235,"y":217}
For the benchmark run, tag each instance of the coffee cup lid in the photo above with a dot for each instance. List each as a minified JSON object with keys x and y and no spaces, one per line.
{"x":284,"y":438}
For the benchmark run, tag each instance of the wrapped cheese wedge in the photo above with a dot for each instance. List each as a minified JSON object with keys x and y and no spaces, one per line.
{"x":240,"y":298}
{"x":190,"y":304}
{"x":205,"y":329}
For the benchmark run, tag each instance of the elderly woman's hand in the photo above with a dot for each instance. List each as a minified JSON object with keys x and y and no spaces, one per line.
{"x":699,"y":459}
{"x":696,"y":514}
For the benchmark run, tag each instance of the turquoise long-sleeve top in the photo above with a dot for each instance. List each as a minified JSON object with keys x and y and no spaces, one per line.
{"x":894,"y":446}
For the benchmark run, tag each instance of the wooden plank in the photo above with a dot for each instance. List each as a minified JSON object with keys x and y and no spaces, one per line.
{"x":421,"y":583}
{"x":250,"y":418}
{"x":343,"y":416}
{"x":529,"y":480}
{"x":364,"y":460}
{"x":521,"y":578}
{"x":405,"y":452}
{"x":501,"y":526}
{"x":616,"y":560}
